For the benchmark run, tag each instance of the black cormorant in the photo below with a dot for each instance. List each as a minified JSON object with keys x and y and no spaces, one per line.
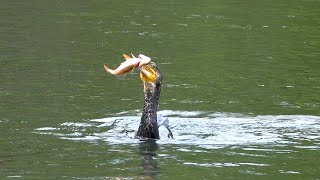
{"x":152,"y":80}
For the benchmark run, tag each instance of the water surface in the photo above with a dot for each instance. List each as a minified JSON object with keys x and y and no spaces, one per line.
{"x":241,"y":89}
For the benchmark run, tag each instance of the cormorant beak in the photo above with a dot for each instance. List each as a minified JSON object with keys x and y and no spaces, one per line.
{"x":147,"y":74}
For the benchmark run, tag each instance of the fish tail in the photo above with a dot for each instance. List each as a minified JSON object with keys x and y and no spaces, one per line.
{"x":108,"y":69}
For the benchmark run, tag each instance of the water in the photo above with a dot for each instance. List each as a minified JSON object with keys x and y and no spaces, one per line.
{"x":241,"y":89}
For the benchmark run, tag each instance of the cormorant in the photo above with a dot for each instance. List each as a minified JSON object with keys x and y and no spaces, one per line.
{"x":148,"y":127}
{"x":151,"y":77}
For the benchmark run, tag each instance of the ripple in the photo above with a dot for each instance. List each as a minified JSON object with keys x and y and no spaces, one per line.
{"x":191,"y":102}
{"x":212,"y":164}
{"x":193,"y":16}
{"x":4,"y":120}
{"x":15,"y":176}
{"x":289,"y":172}
{"x":224,"y":164}
{"x":47,"y":129}
{"x":181,"y":24}
{"x":268,"y":150}
{"x":135,"y":24}
{"x":73,"y":124}
{"x":186,"y":86}
{"x":254,"y":164}
{"x":252,"y":172}
{"x":309,"y":147}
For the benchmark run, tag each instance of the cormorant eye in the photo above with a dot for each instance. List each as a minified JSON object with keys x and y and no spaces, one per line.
{"x":153,"y":66}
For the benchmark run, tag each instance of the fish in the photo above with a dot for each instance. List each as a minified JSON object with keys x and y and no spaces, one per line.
{"x":129,"y":65}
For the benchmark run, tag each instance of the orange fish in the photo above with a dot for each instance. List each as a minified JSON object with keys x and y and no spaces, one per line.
{"x":130,"y":64}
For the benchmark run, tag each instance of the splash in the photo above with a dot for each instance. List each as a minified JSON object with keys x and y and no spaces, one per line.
{"x":203,"y":129}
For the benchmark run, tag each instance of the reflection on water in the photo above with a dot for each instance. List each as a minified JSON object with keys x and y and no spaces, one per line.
{"x":147,"y":152}
{"x":202,"y":129}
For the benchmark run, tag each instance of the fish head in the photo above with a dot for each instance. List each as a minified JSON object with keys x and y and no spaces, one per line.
{"x":144,"y":60}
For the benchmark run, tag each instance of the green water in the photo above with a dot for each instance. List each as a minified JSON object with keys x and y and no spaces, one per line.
{"x":247,"y":57}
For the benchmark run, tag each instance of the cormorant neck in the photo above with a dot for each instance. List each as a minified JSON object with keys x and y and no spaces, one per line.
{"x":148,"y":125}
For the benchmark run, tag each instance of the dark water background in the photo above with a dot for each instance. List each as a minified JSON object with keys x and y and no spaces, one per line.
{"x":241,"y":89}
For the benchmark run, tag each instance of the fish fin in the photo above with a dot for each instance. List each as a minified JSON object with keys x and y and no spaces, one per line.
{"x":126,"y":56}
{"x":132,"y":70}
{"x":121,"y":76}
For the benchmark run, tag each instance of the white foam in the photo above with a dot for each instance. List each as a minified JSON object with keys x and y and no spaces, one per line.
{"x":204,"y":129}
{"x":47,"y":129}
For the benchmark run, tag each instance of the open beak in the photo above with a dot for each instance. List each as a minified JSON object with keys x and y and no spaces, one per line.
{"x":147,"y":74}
